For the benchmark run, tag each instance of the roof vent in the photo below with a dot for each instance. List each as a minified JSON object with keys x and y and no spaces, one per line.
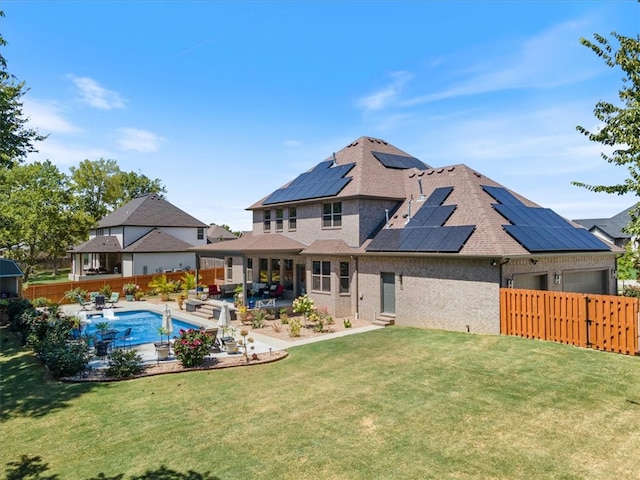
{"x":335,"y":162}
{"x":421,"y":199}
{"x":386,"y":214}
{"x":409,"y":212}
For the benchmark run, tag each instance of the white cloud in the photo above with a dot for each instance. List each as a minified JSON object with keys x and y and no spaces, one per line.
{"x":96,"y":96}
{"x":47,"y":117}
{"x":387,"y":95}
{"x":138,"y":140}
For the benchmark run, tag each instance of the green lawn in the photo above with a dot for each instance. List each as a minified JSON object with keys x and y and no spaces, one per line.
{"x":397,"y":403}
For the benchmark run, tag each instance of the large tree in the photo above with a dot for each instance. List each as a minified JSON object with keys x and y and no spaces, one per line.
{"x":40,"y":213}
{"x":100,"y":186}
{"x":16,"y":140}
{"x":620,"y":122}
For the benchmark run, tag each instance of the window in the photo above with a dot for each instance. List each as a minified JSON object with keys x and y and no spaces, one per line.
{"x":229,"y":268}
{"x":332,"y":215}
{"x":200,"y":233}
{"x":321,"y":276}
{"x":344,"y":277}
{"x":249,"y":269}
{"x":279,"y":219}
{"x":275,"y":271}
{"x":293,"y":218}
{"x":267,"y":221}
{"x":264,"y":270}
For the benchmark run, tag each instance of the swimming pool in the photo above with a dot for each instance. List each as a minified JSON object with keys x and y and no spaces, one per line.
{"x":144,"y":325}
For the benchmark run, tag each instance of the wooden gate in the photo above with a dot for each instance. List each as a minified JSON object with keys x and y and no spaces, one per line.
{"x":603,"y":322}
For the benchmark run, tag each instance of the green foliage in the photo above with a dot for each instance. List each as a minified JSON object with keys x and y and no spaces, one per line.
{"x":347,"y":323}
{"x":619,"y":124}
{"x":105,"y":290}
{"x":628,"y":264}
{"x":631,"y":291}
{"x":303,"y":304}
{"x":19,"y":311}
{"x":192,"y":346}
{"x":258,"y":318}
{"x":160,"y":284}
{"x":66,"y":359}
{"x":188,"y":281}
{"x":124,"y":364}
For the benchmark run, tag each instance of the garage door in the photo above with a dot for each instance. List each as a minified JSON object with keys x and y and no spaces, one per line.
{"x":592,"y":281}
{"x":530,"y":282}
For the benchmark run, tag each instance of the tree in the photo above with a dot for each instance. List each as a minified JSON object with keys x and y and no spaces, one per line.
{"x":16,"y":140}
{"x":38,"y":207}
{"x":100,"y":186}
{"x":621,"y":123}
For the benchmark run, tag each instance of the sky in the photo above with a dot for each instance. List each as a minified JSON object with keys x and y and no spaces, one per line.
{"x":225,"y":102}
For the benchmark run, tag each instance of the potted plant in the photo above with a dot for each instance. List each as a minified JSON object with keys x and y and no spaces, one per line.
{"x":162,"y":347}
{"x":129,"y":290}
{"x":180,"y":300}
{"x":162,"y":285}
{"x":229,"y":339}
{"x":237,"y":296}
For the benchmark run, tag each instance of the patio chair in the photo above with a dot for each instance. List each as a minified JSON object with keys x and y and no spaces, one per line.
{"x":85,"y":305}
{"x":276,"y":291}
{"x":214,"y":291}
{"x":115,"y":296}
{"x":108,"y":314}
{"x":100,"y":302}
{"x":124,"y":336}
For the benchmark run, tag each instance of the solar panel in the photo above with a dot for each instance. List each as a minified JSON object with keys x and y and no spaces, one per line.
{"x":429,"y":216}
{"x":438,"y":196}
{"x":324,"y":180}
{"x":456,"y":238}
{"x":387,"y":240}
{"x":432,"y":238}
{"x":553,"y":239}
{"x":521,"y":215}
{"x":502,"y":195}
{"x":402,"y":162}
{"x":411,"y":239}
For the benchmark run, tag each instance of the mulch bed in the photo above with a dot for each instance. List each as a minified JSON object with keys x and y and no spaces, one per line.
{"x":163,"y":368}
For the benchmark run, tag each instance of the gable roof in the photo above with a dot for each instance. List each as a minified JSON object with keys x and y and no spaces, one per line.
{"x":157,"y":241}
{"x":216,"y":233}
{"x":149,"y":210}
{"x":611,"y":226}
{"x":101,"y":244}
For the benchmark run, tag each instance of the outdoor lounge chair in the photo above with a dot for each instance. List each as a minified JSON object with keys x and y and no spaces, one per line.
{"x":108,"y":314}
{"x":214,"y":291}
{"x":115,"y":296}
{"x":85,"y":305}
{"x":124,"y":336}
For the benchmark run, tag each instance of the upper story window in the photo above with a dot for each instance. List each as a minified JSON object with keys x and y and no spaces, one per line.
{"x":279,"y":219}
{"x":332,"y":215}
{"x":293,"y":218}
{"x":200,"y":233}
{"x":99,"y":232}
{"x":267,"y":221}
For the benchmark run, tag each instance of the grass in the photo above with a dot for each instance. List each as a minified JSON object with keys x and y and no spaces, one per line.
{"x":397,"y":403}
{"x":47,"y":276}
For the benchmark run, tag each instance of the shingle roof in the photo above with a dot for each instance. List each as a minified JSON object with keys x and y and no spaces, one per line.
{"x":611,"y":226}
{"x":149,"y":211}
{"x":247,"y":243}
{"x":216,"y":233}
{"x":102,"y":244}
{"x":158,"y":241}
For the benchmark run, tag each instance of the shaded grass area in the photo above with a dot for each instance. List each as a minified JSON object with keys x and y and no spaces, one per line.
{"x":388,"y":404}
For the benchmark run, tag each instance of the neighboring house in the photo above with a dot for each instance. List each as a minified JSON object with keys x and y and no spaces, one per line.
{"x":10,"y":279}
{"x":147,"y":235}
{"x":610,"y":229}
{"x":373,"y":231}
{"x":216,"y":233}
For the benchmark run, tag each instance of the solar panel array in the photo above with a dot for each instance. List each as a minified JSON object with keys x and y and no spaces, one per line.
{"x":324,"y":180}
{"x":541,"y":229}
{"x":391,"y":160}
{"x":425,"y":232}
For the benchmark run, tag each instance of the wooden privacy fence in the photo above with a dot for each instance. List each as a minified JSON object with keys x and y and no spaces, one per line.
{"x":56,"y":291}
{"x":603,"y":322}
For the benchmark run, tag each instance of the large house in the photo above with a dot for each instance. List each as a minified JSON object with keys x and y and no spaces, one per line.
{"x":375,"y":232}
{"x":147,"y":235}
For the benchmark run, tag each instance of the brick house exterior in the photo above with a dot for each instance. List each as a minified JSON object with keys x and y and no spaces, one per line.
{"x":372,"y":231}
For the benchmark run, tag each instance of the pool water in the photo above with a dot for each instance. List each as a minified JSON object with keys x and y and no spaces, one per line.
{"x":144,"y":325}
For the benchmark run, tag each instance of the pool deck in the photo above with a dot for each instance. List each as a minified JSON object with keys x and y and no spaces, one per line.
{"x":261,"y":344}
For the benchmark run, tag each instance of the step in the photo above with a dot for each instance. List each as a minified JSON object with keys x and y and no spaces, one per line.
{"x":385,"y":319}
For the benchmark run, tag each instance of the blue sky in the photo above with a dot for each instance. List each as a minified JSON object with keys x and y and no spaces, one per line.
{"x":227,"y":101}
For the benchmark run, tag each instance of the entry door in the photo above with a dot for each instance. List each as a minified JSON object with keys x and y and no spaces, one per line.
{"x":301,"y":277}
{"x":388,"y":292}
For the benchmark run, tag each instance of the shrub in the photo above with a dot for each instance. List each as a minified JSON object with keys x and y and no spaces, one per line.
{"x":347,"y":323}
{"x":257,"y":321}
{"x":303,"y":304}
{"x":66,"y":359}
{"x":192,"y":346}
{"x":295,"y":325}
{"x":105,"y":290}
{"x":631,"y":291}
{"x":124,"y":364}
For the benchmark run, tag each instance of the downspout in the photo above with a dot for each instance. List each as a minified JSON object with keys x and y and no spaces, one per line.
{"x":355,"y":260}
